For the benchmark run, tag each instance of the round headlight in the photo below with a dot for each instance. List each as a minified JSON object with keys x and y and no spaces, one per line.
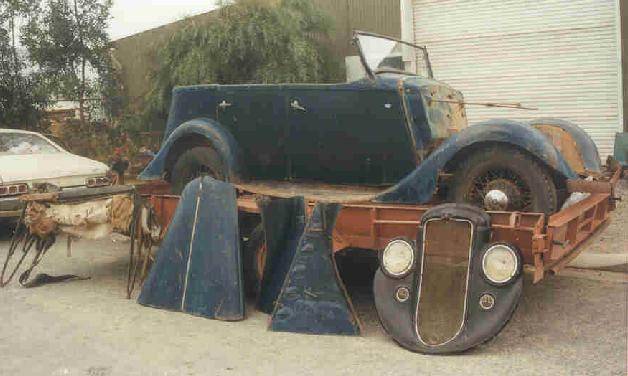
{"x":500,"y":264}
{"x":398,"y":258}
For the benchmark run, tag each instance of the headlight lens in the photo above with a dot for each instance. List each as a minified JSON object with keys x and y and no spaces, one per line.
{"x":398,"y":258}
{"x":500,"y":264}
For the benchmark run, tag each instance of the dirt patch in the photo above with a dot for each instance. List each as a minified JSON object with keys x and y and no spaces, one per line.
{"x":614,"y":239}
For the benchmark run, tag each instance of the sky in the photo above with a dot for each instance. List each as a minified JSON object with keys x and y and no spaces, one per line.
{"x":133,"y":16}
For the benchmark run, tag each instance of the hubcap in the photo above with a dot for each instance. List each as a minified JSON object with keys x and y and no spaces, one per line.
{"x":495,"y":200}
{"x":500,"y":190}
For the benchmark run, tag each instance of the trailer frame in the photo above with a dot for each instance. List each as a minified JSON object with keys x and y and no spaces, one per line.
{"x":547,"y":243}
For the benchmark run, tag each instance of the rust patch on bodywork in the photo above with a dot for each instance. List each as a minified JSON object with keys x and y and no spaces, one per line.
{"x":446,"y":111}
{"x":565,"y":144}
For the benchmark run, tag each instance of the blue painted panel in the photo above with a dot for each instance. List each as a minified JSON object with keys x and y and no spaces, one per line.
{"x":198,"y":268}
{"x":284,"y":222}
{"x":313,"y":300}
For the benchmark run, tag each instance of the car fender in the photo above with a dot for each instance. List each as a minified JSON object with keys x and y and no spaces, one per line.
{"x":584,"y":144}
{"x":420,"y":185}
{"x":216,"y":135}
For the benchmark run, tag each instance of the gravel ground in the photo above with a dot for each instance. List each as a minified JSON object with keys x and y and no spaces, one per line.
{"x":565,"y":325}
{"x":614,"y":239}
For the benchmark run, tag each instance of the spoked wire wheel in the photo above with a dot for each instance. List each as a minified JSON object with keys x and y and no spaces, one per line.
{"x":501,"y":178}
{"x":500,"y":189}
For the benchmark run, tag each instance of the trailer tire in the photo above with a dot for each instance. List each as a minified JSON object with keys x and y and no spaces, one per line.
{"x":515,"y":181}
{"x":196,"y":162}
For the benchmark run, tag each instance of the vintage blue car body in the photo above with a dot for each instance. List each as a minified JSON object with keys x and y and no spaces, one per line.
{"x":395,"y":130}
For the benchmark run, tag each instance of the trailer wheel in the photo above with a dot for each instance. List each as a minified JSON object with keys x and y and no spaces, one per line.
{"x":196,"y":162}
{"x":254,"y":260}
{"x":504,"y":179}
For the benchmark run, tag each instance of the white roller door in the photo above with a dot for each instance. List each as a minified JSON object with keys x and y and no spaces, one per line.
{"x":561,"y":56}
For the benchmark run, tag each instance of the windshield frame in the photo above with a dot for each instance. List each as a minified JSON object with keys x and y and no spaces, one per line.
{"x":367,"y":68}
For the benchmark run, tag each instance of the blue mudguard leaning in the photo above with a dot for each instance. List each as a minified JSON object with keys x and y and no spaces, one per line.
{"x":198,"y":268}
{"x":284,"y":222}
{"x":313,"y":299}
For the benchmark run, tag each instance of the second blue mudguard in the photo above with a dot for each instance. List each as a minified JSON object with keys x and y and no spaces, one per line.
{"x":198,"y":268}
{"x":313,"y":299}
{"x":284,"y":222}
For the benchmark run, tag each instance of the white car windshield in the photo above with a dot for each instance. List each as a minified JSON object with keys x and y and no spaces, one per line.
{"x":25,"y":143}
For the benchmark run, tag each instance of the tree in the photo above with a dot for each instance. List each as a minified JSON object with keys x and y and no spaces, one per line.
{"x":21,"y":99}
{"x":68,"y":42}
{"x":249,"y":41}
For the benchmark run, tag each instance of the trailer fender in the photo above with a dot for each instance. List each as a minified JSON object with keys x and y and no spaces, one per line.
{"x":204,"y":129}
{"x":420,"y":185}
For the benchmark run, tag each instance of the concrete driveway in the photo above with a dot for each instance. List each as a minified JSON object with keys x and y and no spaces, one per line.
{"x":574,"y":324}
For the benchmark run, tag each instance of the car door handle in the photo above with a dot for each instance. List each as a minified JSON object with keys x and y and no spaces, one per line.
{"x":297,"y":106}
{"x":224,"y":105}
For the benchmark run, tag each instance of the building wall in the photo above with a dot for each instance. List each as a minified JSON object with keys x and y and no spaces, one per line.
{"x":623,"y":5}
{"x":379,"y":16}
{"x":135,"y":55}
{"x":558,"y":56}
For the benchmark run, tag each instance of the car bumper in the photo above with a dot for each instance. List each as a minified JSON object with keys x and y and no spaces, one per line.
{"x":11,"y":207}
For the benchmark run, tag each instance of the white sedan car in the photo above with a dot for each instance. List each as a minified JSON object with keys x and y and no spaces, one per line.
{"x":29,"y":162}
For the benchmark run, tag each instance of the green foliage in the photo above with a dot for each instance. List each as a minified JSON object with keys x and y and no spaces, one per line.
{"x":95,"y":140}
{"x":21,"y":97}
{"x":68,"y":43}
{"x":249,"y":41}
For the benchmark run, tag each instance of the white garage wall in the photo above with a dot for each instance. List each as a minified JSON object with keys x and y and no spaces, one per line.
{"x":560,"y":56}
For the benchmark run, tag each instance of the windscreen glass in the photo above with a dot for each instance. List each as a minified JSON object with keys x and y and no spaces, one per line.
{"x":25,"y":143}
{"x":386,"y":55}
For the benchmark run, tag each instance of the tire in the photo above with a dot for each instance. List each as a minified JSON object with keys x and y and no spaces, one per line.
{"x":527,"y":185}
{"x":254,"y":261}
{"x":195,"y":162}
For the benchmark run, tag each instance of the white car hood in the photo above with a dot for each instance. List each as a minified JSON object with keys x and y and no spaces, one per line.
{"x":20,"y":168}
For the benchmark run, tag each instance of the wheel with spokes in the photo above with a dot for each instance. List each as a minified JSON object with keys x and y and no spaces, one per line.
{"x":504,"y":179}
